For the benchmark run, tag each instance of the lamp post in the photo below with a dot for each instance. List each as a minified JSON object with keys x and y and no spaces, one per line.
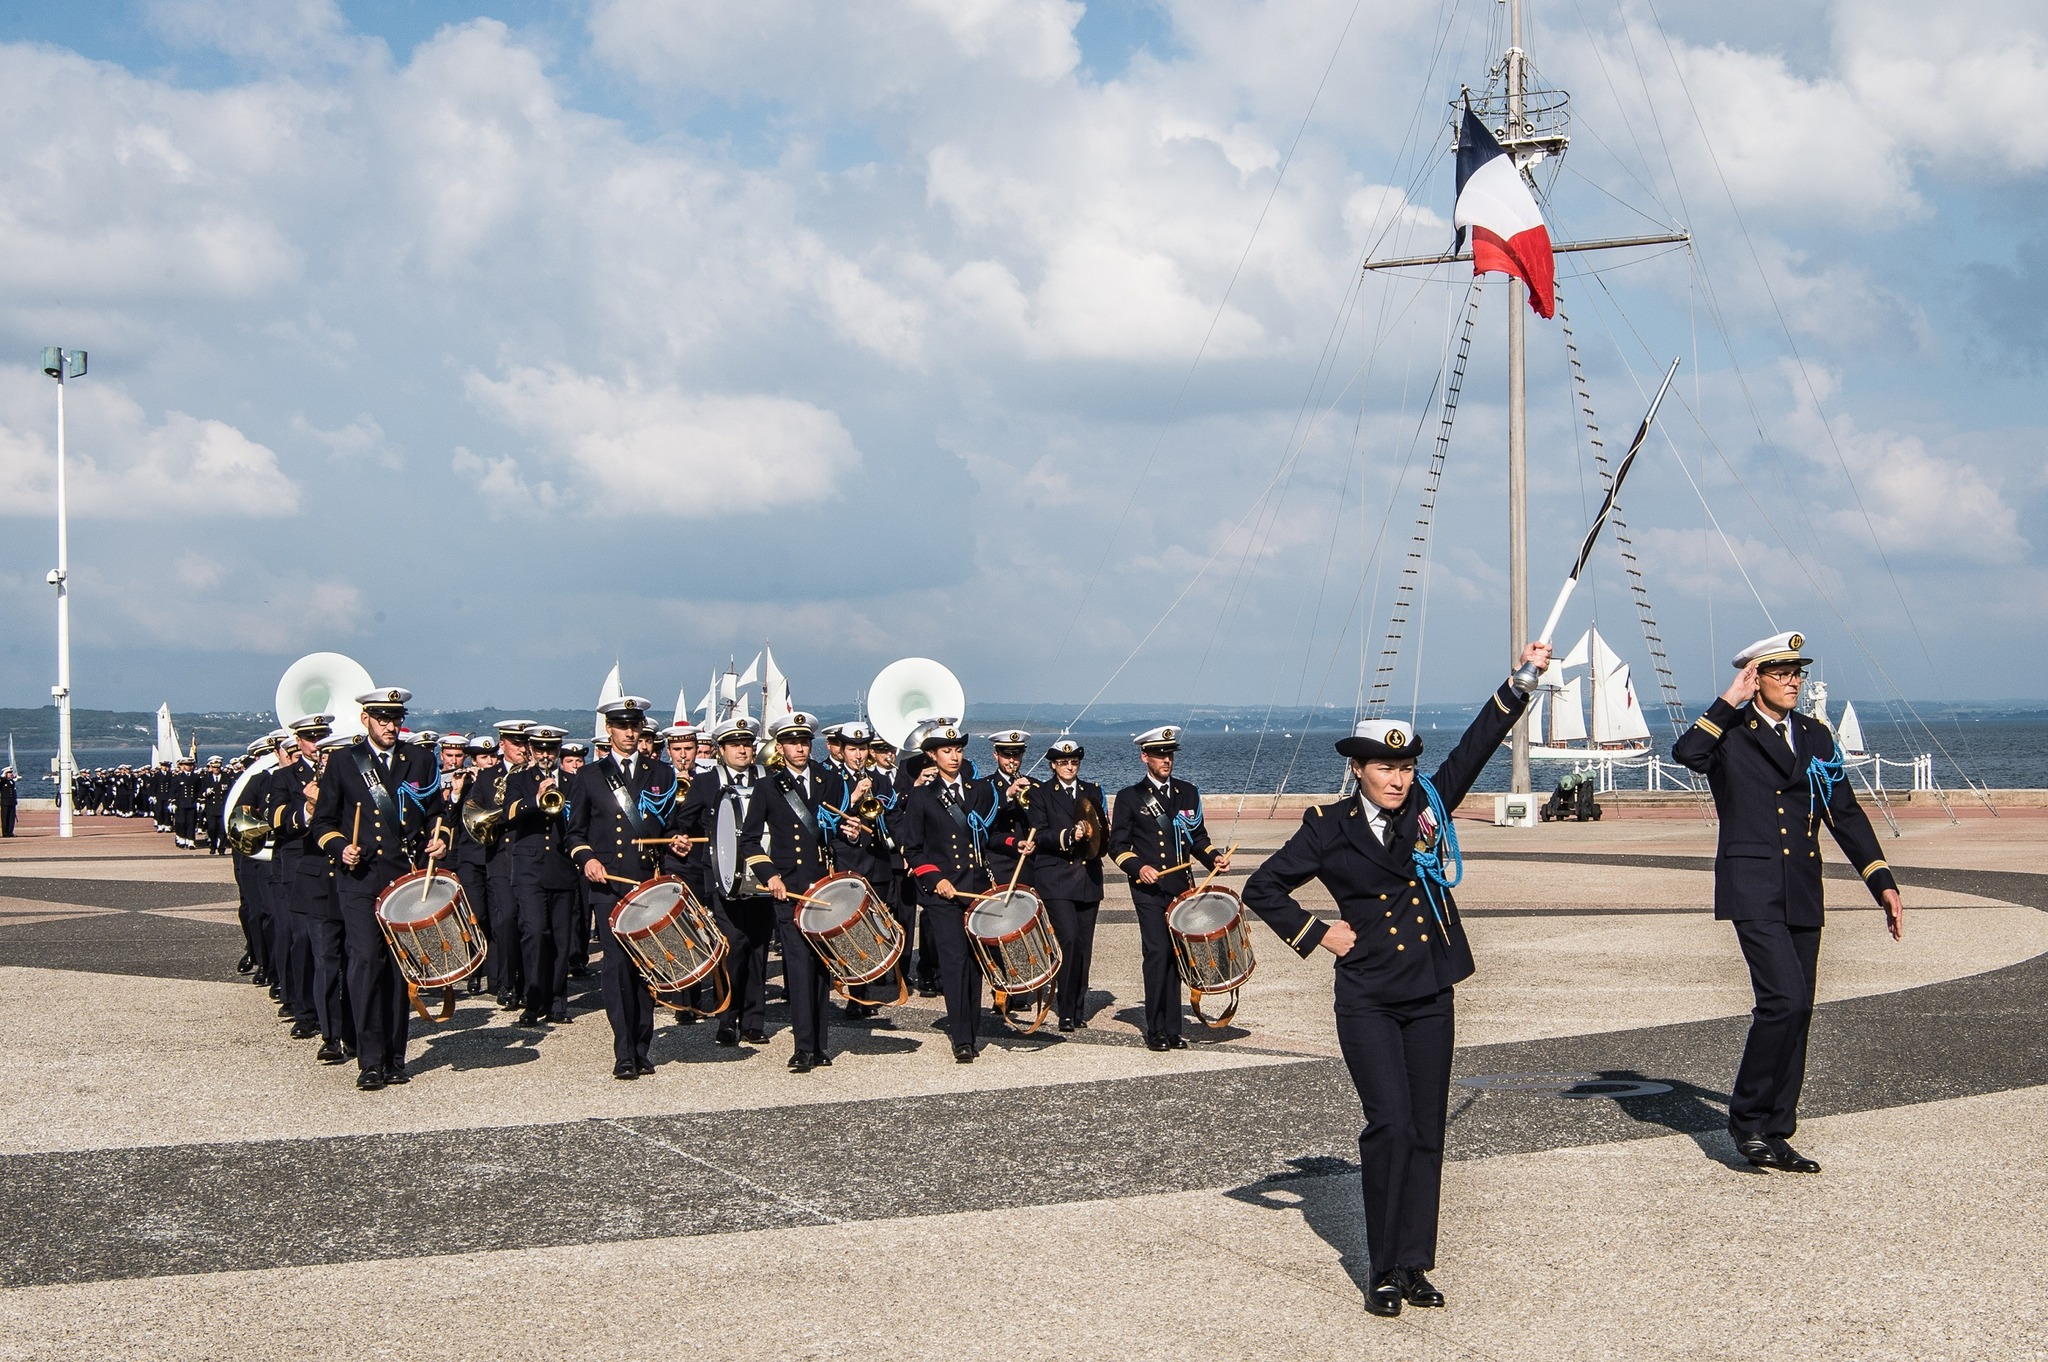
{"x":61,"y":364}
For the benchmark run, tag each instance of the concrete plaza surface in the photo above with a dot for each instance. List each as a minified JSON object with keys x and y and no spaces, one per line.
{"x":179,"y":1179}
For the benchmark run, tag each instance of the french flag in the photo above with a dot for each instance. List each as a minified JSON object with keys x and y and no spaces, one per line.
{"x":1495,"y":205}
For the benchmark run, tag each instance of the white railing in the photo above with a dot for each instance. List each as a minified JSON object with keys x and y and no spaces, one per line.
{"x":1659,"y":774}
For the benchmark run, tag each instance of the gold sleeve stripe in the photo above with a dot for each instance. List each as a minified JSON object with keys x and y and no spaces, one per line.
{"x":1708,"y":724}
{"x":1873,"y":868}
{"x":1123,"y":856}
{"x":1503,"y":708}
{"x":582,"y":846}
{"x":760,"y":860}
{"x":330,"y":837}
{"x":1296,"y":939}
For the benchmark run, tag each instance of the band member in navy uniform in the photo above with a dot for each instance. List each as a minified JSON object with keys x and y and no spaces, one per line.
{"x":1069,"y":832}
{"x":300,"y":909}
{"x":315,"y":897}
{"x":250,"y":879}
{"x":1009,"y":836}
{"x":619,"y":809}
{"x":857,"y":843}
{"x":474,"y":761}
{"x":380,"y":809}
{"x":1777,"y":776}
{"x":543,"y":877}
{"x":508,"y":981}
{"x":679,"y":746}
{"x":942,"y":835}
{"x":743,"y":912}
{"x":796,"y":856}
{"x":1401,"y":950}
{"x":291,"y":959}
{"x":574,"y":754}
{"x":1156,"y":833}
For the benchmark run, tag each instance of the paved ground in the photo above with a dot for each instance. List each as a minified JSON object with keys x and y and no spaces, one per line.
{"x":178,"y":1179}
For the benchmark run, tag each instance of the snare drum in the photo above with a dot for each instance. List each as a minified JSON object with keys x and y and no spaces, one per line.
{"x":668,"y":934}
{"x":1211,"y":945}
{"x":427,"y":919}
{"x":851,"y":929}
{"x":1013,"y":936}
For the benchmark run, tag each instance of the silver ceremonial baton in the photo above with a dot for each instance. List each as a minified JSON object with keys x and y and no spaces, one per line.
{"x":1527,"y":675}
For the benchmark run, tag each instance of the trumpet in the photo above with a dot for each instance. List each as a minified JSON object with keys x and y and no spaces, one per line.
{"x":552,"y":801}
{"x":247,"y":831}
{"x":867,"y":809}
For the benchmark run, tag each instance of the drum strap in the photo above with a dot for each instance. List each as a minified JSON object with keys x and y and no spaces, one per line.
{"x":627,"y":806}
{"x":387,"y":807}
{"x":805,"y":814}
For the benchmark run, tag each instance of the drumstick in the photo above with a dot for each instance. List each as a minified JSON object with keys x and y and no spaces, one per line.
{"x":1014,"y":874}
{"x":355,"y":834}
{"x":1175,"y":869}
{"x":664,"y":841}
{"x":1231,"y":851}
{"x":623,"y":880}
{"x":428,"y":883}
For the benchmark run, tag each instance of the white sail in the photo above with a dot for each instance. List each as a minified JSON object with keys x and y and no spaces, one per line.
{"x":1617,"y":716}
{"x":167,"y":745}
{"x":1577,"y":656}
{"x":1568,"y":714}
{"x":1813,"y":701}
{"x":752,"y":674}
{"x":1850,"y":734}
{"x":776,"y":704}
{"x":153,"y":758}
{"x":607,"y":693}
{"x":1533,"y":717}
{"x":739,"y":709}
{"x":708,"y":706}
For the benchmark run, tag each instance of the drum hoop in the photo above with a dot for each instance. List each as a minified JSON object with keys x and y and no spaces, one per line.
{"x":445,"y":911}
{"x":638,"y":933}
{"x":1201,"y":892}
{"x":1038,"y":915}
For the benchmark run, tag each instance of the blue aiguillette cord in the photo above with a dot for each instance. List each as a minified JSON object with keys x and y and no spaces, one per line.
{"x":1431,"y":860}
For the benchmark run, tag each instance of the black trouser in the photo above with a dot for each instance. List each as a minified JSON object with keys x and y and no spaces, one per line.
{"x":376,"y":990}
{"x":277,"y":914}
{"x":927,"y":949}
{"x":298,"y":968}
{"x":7,"y":818}
{"x":1073,"y":926}
{"x":1162,"y":978}
{"x":579,"y":927}
{"x":504,"y":913}
{"x":748,"y":923}
{"x":805,"y":981}
{"x":1400,"y":1061}
{"x":627,"y":1003}
{"x":959,"y":972}
{"x":1783,"y":967}
{"x":544,"y":927}
{"x":255,"y":936}
{"x":330,"y":987}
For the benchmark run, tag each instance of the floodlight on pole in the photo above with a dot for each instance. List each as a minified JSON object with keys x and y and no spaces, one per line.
{"x":61,"y":364}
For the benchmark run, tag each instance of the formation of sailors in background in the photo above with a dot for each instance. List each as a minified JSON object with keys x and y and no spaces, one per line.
{"x":185,"y":799}
{"x":980,"y":887}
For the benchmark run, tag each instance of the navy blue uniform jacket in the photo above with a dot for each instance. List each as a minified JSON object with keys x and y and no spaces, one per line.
{"x":1403,"y":952}
{"x":1767,"y":867}
{"x":392,"y":829}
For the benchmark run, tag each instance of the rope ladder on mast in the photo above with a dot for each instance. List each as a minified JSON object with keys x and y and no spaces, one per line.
{"x":1418,"y":543}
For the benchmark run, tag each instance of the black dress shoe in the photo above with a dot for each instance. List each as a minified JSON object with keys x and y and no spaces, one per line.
{"x":395,"y":1073}
{"x":1156,"y":1043}
{"x":1176,"y":1042}
{"x":578,"y":971}
{"x":476,"y":984}
{"x":821,"y":1059}
{"x":329,"y":1053}
{"x":1790,"y":1159}
{"x":245,"y":964}
{"x":1757,"y":1150}
{"x":1385,"y":1297}
{"x":963,"y":1054}
{"x":929,"y":991}
{"x":645,"y":1066}
{"x":370,"y":1080}
{"x":756,"y":1036}
{"x":529,"y":1018}
{"x":860,"y":1011}
{"x":276,"y":993}
{"x":559,"y":1016}
{"x":305,"y":1031}
{"x":800,"y":1062}
{"x":727,"y":1036}
{"x":285,"y":1010}
{"x":261,"y":978}
{"x":1066,"y":1023}
{"x":1420,"y":1290}
{"x":687,"y":1019}
{"x":627,"y":1072}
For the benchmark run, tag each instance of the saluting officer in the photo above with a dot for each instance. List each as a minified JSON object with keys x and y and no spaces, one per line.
{"x":1156,"y":832}
{"x":619,"y":810}
{"x":543,"y":877}
{"x":1066,"y":867}
{"x":942,"y":836}
{"x":796,"y":856}
{"x":1777,"y":776}
{"x":379,"y":810}
{"x":1009,"y":836}
{"x":1400,"y":952}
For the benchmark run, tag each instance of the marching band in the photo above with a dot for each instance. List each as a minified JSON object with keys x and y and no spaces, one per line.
{"x":376,"y":871}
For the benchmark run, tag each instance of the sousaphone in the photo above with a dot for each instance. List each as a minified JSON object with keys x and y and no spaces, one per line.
{"x":911,"y":691}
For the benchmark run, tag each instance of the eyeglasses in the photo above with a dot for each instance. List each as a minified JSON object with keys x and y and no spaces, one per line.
{"x":1782,"y":674}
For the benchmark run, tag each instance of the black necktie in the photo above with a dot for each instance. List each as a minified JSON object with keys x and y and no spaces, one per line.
{"x":1779,"y":729}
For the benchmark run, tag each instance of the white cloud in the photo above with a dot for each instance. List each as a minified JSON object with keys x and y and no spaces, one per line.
{"x":119,"y":466}
{"x":360,"y":441}
{"x":638,"y":448}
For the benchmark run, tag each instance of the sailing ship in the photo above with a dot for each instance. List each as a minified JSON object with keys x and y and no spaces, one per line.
{"x":1618,"y":728}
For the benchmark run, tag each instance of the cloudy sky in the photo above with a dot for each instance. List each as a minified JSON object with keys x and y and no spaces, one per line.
{"x":489,"y":341}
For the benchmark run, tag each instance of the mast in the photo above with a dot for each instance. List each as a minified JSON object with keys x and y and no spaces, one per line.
{"x":1518,"y":438}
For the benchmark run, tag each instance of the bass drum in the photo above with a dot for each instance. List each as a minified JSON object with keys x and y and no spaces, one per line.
{"x":735,"y":879}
